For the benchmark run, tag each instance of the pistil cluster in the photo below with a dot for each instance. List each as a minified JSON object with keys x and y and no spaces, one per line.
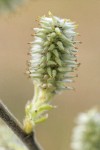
{"x":53,"y":53}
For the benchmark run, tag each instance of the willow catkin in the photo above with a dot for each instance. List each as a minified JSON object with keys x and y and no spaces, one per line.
{"x":53,"y":53}
{"x":53,"y":60}
{"x":8,"y":140}
{"x":86,"y":134}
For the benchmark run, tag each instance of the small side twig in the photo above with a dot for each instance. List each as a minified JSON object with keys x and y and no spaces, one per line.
{"x":28,"y":139}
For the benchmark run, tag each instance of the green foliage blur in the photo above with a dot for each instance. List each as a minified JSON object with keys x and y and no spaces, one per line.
{"x":9,"y":141}
{"x":9,"y":5}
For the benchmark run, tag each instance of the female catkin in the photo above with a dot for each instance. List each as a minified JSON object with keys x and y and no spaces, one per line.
{"x":86,"y":135}
{"x":53,"y":60}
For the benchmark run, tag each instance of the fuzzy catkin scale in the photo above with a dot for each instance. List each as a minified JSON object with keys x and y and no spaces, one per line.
{"x":53,"y":60}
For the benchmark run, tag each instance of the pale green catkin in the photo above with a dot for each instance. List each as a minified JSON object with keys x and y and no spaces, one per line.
{"x":8,"y":140}
{"x":53,"y":61}
{"x":86,"y":135}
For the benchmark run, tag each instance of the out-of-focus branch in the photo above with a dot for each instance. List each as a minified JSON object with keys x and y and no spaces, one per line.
{"x":28,"y":139}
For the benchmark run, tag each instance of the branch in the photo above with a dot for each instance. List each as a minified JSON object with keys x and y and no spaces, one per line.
{"x":28,"y":139}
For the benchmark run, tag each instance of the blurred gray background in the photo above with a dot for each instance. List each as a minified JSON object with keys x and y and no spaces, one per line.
{"x":16,"y":88}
